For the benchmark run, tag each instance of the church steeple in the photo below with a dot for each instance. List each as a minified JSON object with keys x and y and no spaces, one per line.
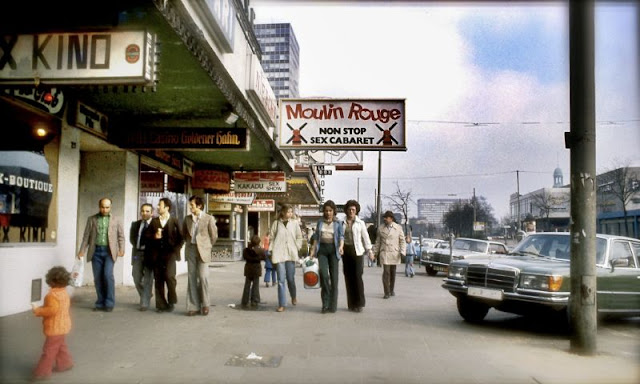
{"x":557,"y":178}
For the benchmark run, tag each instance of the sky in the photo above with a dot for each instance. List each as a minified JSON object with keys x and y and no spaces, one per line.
{"x":458,"y":63}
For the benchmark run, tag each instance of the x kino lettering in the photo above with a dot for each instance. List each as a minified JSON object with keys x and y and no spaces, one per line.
{"x":186,"y":138}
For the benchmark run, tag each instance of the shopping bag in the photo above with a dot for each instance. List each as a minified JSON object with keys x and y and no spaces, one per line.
{"x":77,"y":273}
{"x":310,"y":275}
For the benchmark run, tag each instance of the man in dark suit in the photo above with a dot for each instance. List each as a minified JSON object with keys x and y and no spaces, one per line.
{"x":164,"y":241}
{"x":141,"y":272}
{"x":103,"y":242}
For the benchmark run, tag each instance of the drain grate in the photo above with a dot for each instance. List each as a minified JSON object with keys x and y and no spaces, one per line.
{"x":253,"y":360}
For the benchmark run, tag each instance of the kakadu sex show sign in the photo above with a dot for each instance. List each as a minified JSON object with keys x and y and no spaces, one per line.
{"x":342,"y":124}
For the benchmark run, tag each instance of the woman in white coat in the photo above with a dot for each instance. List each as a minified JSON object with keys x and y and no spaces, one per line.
{"x":357,"y":246}
{"x":286,"y":240}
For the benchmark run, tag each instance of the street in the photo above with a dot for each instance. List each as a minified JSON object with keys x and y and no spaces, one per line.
{"x":415,"y":337}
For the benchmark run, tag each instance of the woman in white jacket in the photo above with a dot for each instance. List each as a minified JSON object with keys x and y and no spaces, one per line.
{"x":357,"y":245}
{"x":286,"y":240}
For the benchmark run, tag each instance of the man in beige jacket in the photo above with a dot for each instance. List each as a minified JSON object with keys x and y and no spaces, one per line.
{"x":389,"y":248}
{"x":103,"y":242}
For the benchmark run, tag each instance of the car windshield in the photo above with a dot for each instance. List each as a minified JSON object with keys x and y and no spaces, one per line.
{"x":470,"y":245}
{"x":554,"y":246}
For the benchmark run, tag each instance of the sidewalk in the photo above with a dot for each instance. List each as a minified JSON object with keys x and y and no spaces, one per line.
{"x":414,"y":337}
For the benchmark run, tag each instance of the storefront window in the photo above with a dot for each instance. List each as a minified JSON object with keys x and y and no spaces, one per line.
{"x":27,"y":195}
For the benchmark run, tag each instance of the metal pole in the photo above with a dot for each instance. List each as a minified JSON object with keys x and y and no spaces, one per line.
{"x":582,"y":143}
{"x":358,"y":190}
{"x":379,"y":200}
{"x":518,"y":193}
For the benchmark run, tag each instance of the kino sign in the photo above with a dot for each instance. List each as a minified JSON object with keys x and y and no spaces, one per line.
{"x":118,"y":58}
{"x":343,"y":124}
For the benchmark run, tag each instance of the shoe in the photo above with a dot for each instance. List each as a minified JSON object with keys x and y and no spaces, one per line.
{"x":192,"y":313}
{"x":266,"y":285}
{"x":63,"y":369}
{"x":332,"y":310}
{"x":254,"y":305}
{"x":413,"y":275}
{"x":325,"y":310}
{"x":142,"y":309}
{"x":170,"y":308}
{"x":386,"y":297}
{"x":160,"y":310}
{"x":108,"y":309}
{"x":393,"y":293}
{"x":294,"y":301}
{"x":205,"y":311}
{"x":280,"y":309}
{"x":358,"y":309}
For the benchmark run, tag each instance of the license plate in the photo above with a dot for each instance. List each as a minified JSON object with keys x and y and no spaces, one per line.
{"x":486,"y":293}
{"x":440,"y":268}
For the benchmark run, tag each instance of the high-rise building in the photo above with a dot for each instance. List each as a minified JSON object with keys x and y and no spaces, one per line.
{"x":433,"y":210}
{"x":280,"y":58}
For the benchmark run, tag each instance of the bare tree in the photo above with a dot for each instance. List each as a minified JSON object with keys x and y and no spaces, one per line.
{"x":399,"y":201}
{"x":618,"y":185}
{"x":546,"y":203}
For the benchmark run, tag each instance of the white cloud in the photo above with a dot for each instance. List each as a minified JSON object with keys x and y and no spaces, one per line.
{"x":420,"y":53}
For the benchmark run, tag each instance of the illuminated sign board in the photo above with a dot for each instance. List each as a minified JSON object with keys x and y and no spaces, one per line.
{"x":342,"y":124}
{"x":183,"y":138}
{"x":259,"y":182}
{"x":116,"y":58}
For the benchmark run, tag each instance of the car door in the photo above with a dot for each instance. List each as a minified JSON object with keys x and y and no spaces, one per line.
{"x":619,"y":287}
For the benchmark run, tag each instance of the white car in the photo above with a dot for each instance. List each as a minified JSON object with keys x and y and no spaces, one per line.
{"x":438,"y":259}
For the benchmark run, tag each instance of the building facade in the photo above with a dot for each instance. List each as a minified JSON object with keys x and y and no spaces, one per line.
{"x":280,"y":58}
{"x":545,"y":209}
{"x":433,"y":210}
{"x":618,"y":195}
{"x":133,"y":101}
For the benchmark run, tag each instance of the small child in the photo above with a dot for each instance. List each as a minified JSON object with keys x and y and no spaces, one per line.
{"x":253,"y":254}
{"x":56,"y":322}
{"x":269,"y":269}
{"x":411,"y":253}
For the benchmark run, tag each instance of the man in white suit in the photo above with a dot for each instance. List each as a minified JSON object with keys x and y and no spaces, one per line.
{"x":200,"y":233}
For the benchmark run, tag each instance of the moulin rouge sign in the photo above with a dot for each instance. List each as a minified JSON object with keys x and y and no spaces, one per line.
{"x":343,"y":124}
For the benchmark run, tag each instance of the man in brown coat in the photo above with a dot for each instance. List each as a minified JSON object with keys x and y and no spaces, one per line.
{"x":103,"y":242}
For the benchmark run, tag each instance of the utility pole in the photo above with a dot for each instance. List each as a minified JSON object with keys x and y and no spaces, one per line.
{"x":581,"y":141}
{"x":518,"y":197}
{"x":378,"y":199}
{"x":474,"y":211}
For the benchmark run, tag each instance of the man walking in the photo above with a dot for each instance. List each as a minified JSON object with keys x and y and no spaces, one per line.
{"x":389,"y":249}
{"x":200,"y":233}
{"x":141,"y":272}
{"x":103,"y":242}
{"x":164,"y":240}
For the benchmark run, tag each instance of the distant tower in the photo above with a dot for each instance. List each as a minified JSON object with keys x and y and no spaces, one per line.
{"x":557,"y":178}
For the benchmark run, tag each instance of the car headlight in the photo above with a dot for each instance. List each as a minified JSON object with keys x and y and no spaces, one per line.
{"x":541,"y":282}
{"x":457,"y":272}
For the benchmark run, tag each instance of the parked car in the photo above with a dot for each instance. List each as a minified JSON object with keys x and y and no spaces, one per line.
{"x":535,"y":277}
{"x":438,"y":259}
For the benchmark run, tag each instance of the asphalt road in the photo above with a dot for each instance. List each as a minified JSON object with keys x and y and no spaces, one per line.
{"x":415,"y":337}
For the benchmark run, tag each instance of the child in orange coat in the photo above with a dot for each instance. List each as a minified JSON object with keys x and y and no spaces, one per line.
{"x":56,"y":322}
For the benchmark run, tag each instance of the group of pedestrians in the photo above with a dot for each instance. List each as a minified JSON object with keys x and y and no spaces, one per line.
{"x":156,"y":243}
{"x":333,"y":240}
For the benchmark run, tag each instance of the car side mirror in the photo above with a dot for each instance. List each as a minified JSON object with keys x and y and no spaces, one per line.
{"x":618,"y":263}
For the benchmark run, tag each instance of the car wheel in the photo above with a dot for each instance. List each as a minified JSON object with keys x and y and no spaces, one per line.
{"x":430,"y":270}
{"x":472,"y":311}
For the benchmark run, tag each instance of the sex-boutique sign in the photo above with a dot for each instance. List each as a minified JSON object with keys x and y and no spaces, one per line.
{"x":376,"y":125}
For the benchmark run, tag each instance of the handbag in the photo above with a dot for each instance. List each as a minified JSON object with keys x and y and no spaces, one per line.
{"x":77,"y":273}
{"x":310,"y":275}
